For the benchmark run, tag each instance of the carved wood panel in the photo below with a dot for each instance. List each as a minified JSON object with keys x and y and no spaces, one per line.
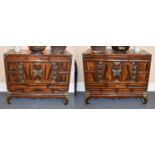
{"x":38,"y":72}
{"x":116,"y":71}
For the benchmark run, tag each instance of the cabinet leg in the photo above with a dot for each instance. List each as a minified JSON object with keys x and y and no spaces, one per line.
{"x":9,"y":99}
{"x":144,"y":100}
{"x":87,"y":100}
{"x":66,"y":100}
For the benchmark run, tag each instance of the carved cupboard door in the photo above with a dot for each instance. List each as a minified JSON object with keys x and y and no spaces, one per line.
{"x":45,"y":72}
{"x":143,"y":69}
{"x":30,"y":72}
{"x":90,"y":68}
{"x":64,"y":72}
{"x":124,"y":71}
{"x":116,"y":71}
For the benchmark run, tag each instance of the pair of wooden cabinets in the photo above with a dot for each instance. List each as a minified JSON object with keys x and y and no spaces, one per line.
{"x":107,"y":74}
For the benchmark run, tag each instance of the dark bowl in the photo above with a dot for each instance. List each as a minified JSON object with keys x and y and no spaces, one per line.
{"x":37,"y":49}
{"x":98,"y":48}
{"x":120,"y":48}
{"x":58,"y":49}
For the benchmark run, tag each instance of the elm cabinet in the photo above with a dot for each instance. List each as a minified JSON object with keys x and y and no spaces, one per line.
{"x":111,"y":75}
{"x":44,"y":75}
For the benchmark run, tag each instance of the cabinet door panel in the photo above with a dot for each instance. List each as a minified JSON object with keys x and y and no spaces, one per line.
{"x":90,"y":65}
{"x":46,"y":72}
{"x":63,"y":77}
{"x":143,"y":66}
{"x":127,"y":72}
{"x":116,"y":71}
{"x":35,"y":72}
{"x":124,"y":71}
{"x":27,"y":71}
{"x":64,"y":66}
{"x":90,"y":77}
{"x":12,"y":77}
{"x":12,"y":66}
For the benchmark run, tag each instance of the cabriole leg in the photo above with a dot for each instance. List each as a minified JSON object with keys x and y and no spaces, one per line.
{"x":87,"y":99}
{"x":144,"y":100}
{"x":66,"y":100}
{"x":9,"y":99}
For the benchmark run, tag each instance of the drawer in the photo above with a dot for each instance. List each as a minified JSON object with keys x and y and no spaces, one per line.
{"x":115,"y":90}
{"x":106,"y":85}
{"x":38,"y":58}
{"x":95,"y":87}
{"x":15,"y":57}
{"x":134,"y":85}
{"x":115,"y":85}
{"x":131,"y":91}
{"x":101,"y":90}
{"x":48,"y":58}
{"x":124,"y":91}
{"x":37,"y":88}
{"x":109,"y":91}
{"x":139,"y":90}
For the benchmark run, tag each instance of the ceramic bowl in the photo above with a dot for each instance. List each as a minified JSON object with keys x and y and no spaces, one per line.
{"x":120,"y":48}
{"x":37,"y":49}
{"x":58,"y":49}
{"x":98,"y":48}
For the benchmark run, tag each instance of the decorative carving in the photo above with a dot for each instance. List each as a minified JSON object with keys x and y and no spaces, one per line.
{"x":134,"y":71}
{"x":116,"y":71}
{"x":20,"y":72}
{"x":99,"y":71}
{"x":37,"y":72}
{"x":54,"y":71}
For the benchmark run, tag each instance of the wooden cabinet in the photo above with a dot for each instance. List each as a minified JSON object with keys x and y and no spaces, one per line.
{"x":111,"y":75}
{"x":44,"y":75}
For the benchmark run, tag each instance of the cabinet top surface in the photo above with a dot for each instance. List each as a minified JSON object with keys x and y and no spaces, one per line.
{"x":112,"y":52}
{"x":45,"y":52}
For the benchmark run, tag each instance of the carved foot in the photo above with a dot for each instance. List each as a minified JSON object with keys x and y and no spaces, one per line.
{"x":87,"y":100}
{"x":65,"y":100}
{"x":144,"y":100}
{"x":8,"y":99}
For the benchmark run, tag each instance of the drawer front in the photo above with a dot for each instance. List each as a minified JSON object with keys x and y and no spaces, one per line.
{"x":113,"y":57}
{"x":116,"y":85}
{"x":117,"y":91}
{"x":137,"y":85}
{"x":39,"y":89}
{"x":101,"y":90}
{"x":37,"y":58}
{"x":116,"y":88}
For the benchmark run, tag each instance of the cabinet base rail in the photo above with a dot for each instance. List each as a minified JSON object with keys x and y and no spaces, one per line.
{"x":64,"y":97}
